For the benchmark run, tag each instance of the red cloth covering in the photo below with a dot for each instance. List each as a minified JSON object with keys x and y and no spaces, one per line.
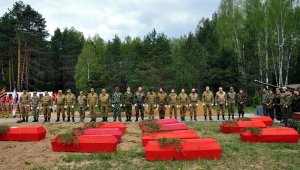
{"x":25,"y":133}
{"x":173,"y":126}
{"x":204,"y":148}
{"x":184,"y":134}
{"x":266,"y":119}
{"x":119,"y":125}
{"x":104,"y":131}
{"x":240,"y":125}
{"x":87,"y":144}
{"x":272,"y":135}
{"x":161,"y":121}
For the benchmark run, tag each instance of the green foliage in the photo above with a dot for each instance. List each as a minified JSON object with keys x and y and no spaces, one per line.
{"x":176,"y":143}
{"x":255,"y":131}
{"x":151,"y":126}
{"x":229,"y":123}
{"x":67,"y":139}
{"x":244,"y":119}
{"x":4,"y":129}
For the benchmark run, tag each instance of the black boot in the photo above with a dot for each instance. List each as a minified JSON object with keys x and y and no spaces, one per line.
{"x":136,"y":119}
{"x":210,"y":118}
{"x":68,"y":119}
{"x":223,"y":117}
{"x":191,"y":119}
{"x":64,"y":119}
{"x":23,"y":119}
{"x":239,"y":115}
{"x":205,"y":118}
{"x":57,"y":120}
{"x":233,"y":117}
{"x":228,"y":117}
{"x":115,"y":118}
{"x":103,"y":119}
{"x":48,"y":119}
{"x":26,"y":120}
{"x":120,"y":120}
{"x":242,"y":115}
{"x":142,"y":118}
{"x":73,"y":119}
{"x":195,"y":119}
{"x":181,"y":118}
{"x":45,"y":120}
{"x":34,"y":119}
{"x":129,"y":119}
{"x":37,"y":119}
{"x":218,"y":117}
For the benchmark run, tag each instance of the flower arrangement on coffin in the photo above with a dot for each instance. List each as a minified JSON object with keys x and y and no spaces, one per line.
{"x":4,"y":129}
{"x":92,"y":125}
{"x":67,"y":139}
{"x":252,"y":130}
{"x":229,"y":123}
{"x":175,"y":143}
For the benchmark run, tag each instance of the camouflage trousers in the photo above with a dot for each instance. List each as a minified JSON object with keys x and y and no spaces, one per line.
{"x":35,"y":112}
{"x":221,"y":109}
{"x":183,"y":109}
{"x":231,"y":109}
{"x":206,"y":107}
{"x":128,"y":110}
{"x":151,"y":108}
{"x":70,"y":111}
{"x":81,"y":110}
{"x":172,"y":109}
{"x":23,"y":109}
{"x":117,"y":110}
{"x":60,"y":109}
{"x":104,"y":111}
{"x":92,"y":109}
{"x":193,"y":110}
{"x":46,"y":111}
{"x":161,"y":111}
{"x":139,"y":109}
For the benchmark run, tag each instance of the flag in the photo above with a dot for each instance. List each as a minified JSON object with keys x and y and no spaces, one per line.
{"x":14,"y":102}
{"x":3,"y":93}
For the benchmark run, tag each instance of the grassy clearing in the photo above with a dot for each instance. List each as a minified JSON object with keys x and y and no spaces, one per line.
{"x":236,"y":155}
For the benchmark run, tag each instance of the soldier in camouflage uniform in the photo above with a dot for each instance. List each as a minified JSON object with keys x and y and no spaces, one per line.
{"x":128,"y":102}
{"x":117,"y":104}
{"x":104,"y":103}
{"x":183,"y":101}
{"x":285,"y":102}
{"x":60,"y":101}
{"x":139,"y":100}
{"x":231,"y":102}
{"x":162,"y":99}
{"x":24,"y":104}
{"x":277,"y":106}
{"x":173,"y":102}
{"x":151,"y":103}
{"x":221,"y":102}
{"x":92,"y":101}
{"x":208,"y":101}
{"x":35,"y":101}
{"x":241,"y":100}
{"x":264,"y":97}
{"x":46,"y":103}
{"x":193,"y":98}
{"x":70,"y":101}
{"x":81,"y":99}
{"x":270,"y":104}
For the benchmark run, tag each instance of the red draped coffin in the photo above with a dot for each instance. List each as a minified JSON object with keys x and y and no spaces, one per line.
{"x":275,"y":135}
{"x":119,"y":125}
{"x":104,"y":131}
{"x":266,"y":119}
{"x":87,"y":144}
{"x":24,"y":133}
{"x":184,"y":134}
{"x":205,"y":148}
{"x":239,"y":125}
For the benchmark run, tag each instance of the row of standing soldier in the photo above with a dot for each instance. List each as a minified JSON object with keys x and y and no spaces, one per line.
{"x":284,"y":102}
{"x":138,"y":100}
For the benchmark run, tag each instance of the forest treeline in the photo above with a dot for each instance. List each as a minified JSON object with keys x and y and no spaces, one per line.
{"x":242,"y":41}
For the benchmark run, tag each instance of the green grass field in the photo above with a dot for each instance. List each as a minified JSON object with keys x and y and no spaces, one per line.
{"x":236,"y":154}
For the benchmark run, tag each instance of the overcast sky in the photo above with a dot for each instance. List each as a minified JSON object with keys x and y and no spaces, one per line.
{"x":121,"y":17}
